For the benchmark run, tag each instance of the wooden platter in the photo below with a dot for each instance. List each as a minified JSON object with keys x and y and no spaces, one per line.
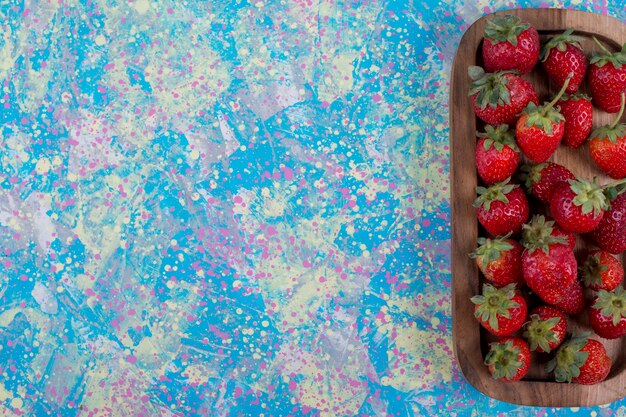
{"x":471,"y":342}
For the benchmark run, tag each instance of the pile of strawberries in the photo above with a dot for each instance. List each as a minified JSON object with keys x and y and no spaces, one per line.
{"x":533,"y":210}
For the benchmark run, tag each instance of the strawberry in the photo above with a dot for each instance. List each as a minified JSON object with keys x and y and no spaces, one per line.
{"x":500,"y":260}
{"x":562,"y":55}
{"x":497,"y":154}
{"x":541,"y":179}
{"x":607,"y":315}
{"x":610,"y":234}
{"x":578,"y":113}
{"x":546,"y":329}
{"x":548,"y":264}
{"x":581,"y":360}
{"x":607,"y":146}
{"x":571,"y":300}
{"x":578,"y":206}
{"x":557,"y":231}
{"x":497,"y":98}
{"x":539,"y":130}
{"x":601,"y":271}
{"x":501,"y":311}
{"x":502,"y":208}
{"x":607,"y":78}
{"x":510,"y":44}
{"x":508,"y":359}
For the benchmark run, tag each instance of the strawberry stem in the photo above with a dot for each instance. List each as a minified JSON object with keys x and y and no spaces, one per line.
{"x":600,"y":45}
{"x":615,"y":184}
{"x":619,"y":115}
{"x":559,"y":94}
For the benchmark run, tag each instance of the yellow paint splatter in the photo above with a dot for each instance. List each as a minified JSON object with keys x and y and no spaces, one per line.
{"x":142,"y":6}
{"x":43,"y":166}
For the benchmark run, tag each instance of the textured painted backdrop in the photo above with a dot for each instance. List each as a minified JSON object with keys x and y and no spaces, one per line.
{"x":231,"y":208}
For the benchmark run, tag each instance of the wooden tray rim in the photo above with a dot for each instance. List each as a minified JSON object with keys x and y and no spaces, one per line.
{"x":565,"y":395}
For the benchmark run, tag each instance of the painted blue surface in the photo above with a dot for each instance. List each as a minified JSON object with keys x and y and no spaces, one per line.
{"x":231,"y":209}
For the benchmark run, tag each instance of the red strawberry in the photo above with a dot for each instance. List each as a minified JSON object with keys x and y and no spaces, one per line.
{"x":607,"y":315}
{"x":502,"y":208}
{"x":562,"y":55}
{"x":578,"y":113}
{"x":571,"y":299}
{"x":607,"y":78}
{"x":510,"y":44}
{"x":539,"y":130}
{"x":548,"y":264}
{"x":610,"y":234}
{"x":578,"y":206}
{"x":501,"y":311}
{"x":497,"y":154}
{"x":541,"y":179}
{"x":557,"y":231}
{"x":546,"y":329}
{"x":601,"y":271}
{"x":500,"y":260}
{"x":497,"y":98}
{"x":607,"y":146}
{"x":581,"y":360}
{"x":508,"y":359}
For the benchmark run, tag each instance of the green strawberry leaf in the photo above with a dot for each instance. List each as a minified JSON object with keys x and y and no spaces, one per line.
{"x":540,"y":333}
{"x":592,"y":269}
{"x":546,"y":116}
{"x":537,"y":235}
{"x":568,"y":359}
{"x":560,"y":42}
{"x":494,"y":303}
{"x":615,"y":130}
{"x":504,"y":29}
{"x":575,"y":97}
{"x":495,"y":192}
{"x":589,"y":196}
{"x":491,"y":249}
{"x":498,"y":137}
{"x":531,"y":174}
{"x":491,"y":89}
{"x":612,"y":304}
{"x":504,"y":357}
{"x":612,"y":133}
{"x":617,"y":59}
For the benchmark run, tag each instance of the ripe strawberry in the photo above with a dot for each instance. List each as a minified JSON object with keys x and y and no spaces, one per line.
{"x":497,"y":98}
{"x":607,"y":315}
{"x":601,"y":271}
{"x":562,"y":55}
{"x":548,"y":264}
{"x":578,"y":206}
{"x":581,"y":360}
{"x":497,"y":154}
{"x":571,"y":300}
{"x":508,"y":359}
{"x":607,"y":146}
{"x":510,"y":44}
{"x":610,"y":234}
{"x":502,"y":208}
{"x":501,"y":311}
{"x":500,"y":260}
{"x":578,"y":113}
{"x":541,"y":179}
{"x":607,"y":78}
{"x":546,"y":329}
{"x":557,"y":231}
{"x":539,"y":130}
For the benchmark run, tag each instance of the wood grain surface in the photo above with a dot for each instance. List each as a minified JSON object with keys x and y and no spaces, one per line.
{"x":470,"y":341}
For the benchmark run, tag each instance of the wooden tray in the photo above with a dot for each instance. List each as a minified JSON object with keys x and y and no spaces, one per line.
{"x":470,"y":341}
